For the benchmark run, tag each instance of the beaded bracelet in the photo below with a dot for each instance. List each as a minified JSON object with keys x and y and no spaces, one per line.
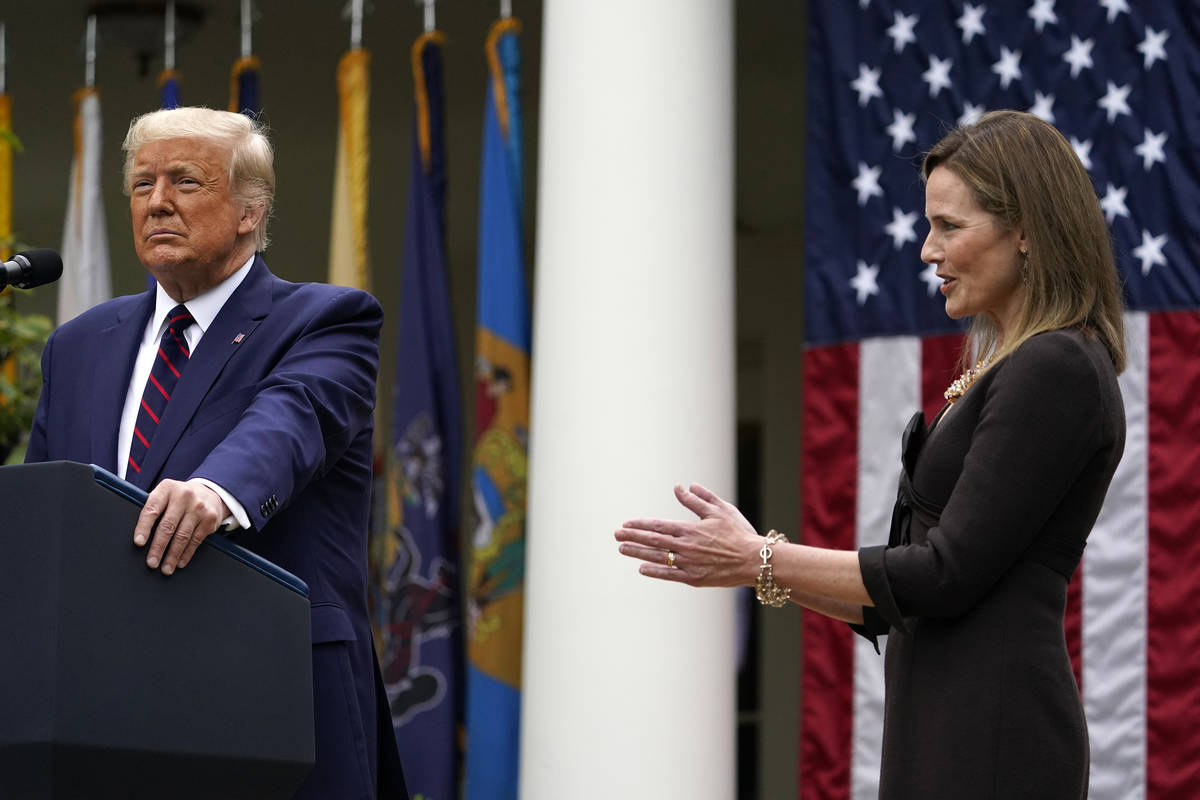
{"x":764,"y":585}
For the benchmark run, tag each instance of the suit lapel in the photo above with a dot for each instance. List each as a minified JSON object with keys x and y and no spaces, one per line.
{"x":115,"y":350}
{"x":242,"y":312}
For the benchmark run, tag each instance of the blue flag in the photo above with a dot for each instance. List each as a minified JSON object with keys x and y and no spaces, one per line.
{"x":422,"y":645}
{"x":168,"y":87}
{"x":498,"y":472}
{"x":243,"y":86}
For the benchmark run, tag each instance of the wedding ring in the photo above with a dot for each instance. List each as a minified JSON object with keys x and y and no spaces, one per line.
{"x":670,"y":558}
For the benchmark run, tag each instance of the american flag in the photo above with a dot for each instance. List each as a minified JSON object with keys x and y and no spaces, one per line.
{"x":1121,"y":80}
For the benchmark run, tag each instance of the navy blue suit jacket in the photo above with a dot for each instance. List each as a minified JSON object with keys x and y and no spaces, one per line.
{"x":275,"y":406}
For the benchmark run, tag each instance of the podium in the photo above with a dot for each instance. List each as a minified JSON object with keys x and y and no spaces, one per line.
{"x":119,"y":682}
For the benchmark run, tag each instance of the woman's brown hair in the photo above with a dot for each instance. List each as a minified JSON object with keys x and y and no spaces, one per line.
{"x":1024,"y":173}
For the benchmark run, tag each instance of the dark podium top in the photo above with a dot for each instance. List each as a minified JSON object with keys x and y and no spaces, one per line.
{"x":116,"y":681}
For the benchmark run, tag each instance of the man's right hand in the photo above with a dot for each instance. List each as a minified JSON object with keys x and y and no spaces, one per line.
{"x":185,"y":513}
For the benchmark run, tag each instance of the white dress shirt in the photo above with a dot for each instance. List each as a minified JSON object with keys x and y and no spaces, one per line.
{"x":204,"y":309}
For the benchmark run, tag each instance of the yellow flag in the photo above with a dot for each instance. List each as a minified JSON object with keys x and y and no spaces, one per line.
{"x":348,"y":257}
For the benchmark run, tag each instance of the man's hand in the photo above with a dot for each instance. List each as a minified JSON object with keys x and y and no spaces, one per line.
{"x":185,"y":512}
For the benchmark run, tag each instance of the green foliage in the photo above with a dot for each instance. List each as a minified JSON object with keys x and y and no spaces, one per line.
{"x":21,"y":339}
{"x":11,"y":138}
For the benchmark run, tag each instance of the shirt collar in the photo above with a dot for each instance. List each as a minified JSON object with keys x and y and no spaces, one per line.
{"x":204,"y":307}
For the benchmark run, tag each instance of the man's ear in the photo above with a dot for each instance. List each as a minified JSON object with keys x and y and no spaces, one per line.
{"x":252,"y":217}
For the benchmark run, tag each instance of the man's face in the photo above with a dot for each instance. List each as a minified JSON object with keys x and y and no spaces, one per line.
{"x":188,"y":230}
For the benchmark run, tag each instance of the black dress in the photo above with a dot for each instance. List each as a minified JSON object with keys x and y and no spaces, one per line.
{"x":980,"y":700}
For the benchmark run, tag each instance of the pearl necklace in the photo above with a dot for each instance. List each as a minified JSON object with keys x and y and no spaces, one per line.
{"x":963,"y":382}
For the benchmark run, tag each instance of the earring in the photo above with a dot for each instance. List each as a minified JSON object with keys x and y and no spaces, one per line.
{"x":1024,"y":266}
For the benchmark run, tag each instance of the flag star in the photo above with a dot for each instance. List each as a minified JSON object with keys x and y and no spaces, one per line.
{"x":1080,"y":55}
{"x":1115,"y":7}
{"x":867,"y":183}
{"x":1042,"y":14}
{"x":1114,"y":100}
{"x":1151,"y":149}
{"x":901,"y":227}
{"x":931,"y":279}
{"x":938,"y":75}
{"x":863,"y":282}
{"x":1083,"y":150}
{"x":901,"y":31}
{"x":1043,"y":107}
{"x":866,"y":84}
{"x":971,"y":22}
{"x":1008,"y":67}
{"x":1113,"y":203}
{"x":1149,"y":252}
{"x":971,"y":114}
{"x":1153,"y":47}
{"x":901,"y":129}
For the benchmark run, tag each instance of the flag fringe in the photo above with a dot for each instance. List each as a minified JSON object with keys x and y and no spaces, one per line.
{"x":420,"y":94}
{"x":499,"y":28}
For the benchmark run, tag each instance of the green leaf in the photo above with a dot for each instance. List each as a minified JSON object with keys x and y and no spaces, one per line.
{"x":11,"y":139}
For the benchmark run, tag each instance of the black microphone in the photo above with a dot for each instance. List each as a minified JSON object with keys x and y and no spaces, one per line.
{"x":31,"y":268}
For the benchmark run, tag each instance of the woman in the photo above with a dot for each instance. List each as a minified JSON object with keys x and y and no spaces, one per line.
{"x":997,"y":496}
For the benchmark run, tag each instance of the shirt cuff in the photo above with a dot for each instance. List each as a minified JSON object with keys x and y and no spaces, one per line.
{"x":237,"y":513}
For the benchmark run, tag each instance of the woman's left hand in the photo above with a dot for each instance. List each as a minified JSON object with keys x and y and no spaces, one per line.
{"x":719,"y":549}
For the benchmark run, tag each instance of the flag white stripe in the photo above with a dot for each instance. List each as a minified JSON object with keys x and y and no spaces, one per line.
{"x":889,"y":390}
{"x":1114,"y":599}
{"x":85,"y":280}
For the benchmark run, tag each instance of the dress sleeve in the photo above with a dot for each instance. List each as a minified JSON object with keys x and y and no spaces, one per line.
{"x":885,"y":614}
{"x":878,"y":619}
{"x":1040,"y":422}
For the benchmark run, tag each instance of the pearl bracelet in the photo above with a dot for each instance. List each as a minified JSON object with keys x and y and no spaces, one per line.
{"x":764,"y":585}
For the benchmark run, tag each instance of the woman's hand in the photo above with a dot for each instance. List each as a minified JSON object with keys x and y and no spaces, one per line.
{"x":719,"y":549}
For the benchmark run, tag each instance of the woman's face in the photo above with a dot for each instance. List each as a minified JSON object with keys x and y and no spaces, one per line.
{"x":978,"y":260}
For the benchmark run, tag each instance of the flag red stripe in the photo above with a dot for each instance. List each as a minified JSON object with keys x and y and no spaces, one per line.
{"x":1073,"y":625}
{"x":828,"y":481}
{"x":939,"y":366}
{"x":1172,"y":684}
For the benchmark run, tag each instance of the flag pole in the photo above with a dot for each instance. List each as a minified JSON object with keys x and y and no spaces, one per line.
{"x":3,"y":57}
{"x":430,"y":15}
{"x":505,"y":9}
{"x":356,"y":16}
{"x":247,"y":30}
{"x":89,"y":72}
{"x":169,"y":37}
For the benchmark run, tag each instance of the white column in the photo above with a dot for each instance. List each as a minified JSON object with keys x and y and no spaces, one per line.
{"x":628,"y":683}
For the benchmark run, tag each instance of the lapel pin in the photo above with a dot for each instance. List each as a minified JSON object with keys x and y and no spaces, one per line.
{"x":237,"y":339}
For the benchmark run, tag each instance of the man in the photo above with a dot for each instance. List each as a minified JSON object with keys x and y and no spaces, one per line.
{"x":245,"y":401}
